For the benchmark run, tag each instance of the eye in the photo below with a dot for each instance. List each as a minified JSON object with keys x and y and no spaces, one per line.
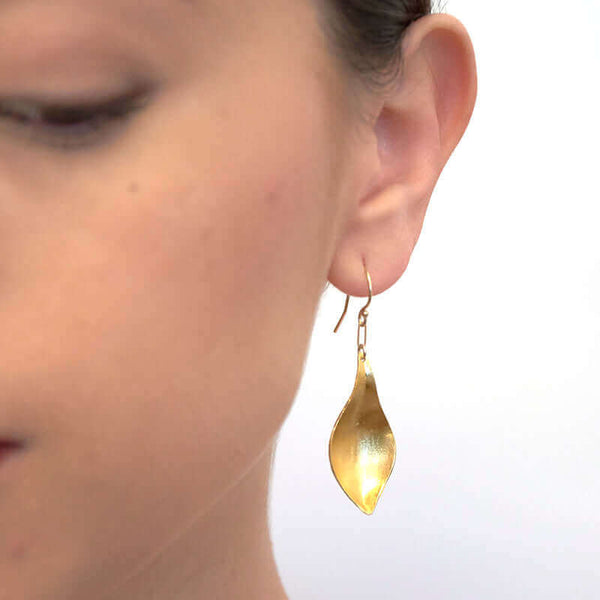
{"x":73,"y":125}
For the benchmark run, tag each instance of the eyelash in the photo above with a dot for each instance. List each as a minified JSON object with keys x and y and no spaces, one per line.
{"x":71,"y":126}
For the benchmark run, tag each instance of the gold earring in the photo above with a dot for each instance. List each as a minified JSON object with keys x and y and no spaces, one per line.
{"x":362,"y":448}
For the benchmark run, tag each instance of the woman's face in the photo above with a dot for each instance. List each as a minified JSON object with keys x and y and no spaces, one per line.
{"x":158,"y":278}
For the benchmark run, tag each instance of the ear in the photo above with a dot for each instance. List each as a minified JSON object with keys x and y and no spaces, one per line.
{"x":409,"y":137}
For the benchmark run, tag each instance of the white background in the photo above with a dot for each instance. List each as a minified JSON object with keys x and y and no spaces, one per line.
{"x":486,"y":353}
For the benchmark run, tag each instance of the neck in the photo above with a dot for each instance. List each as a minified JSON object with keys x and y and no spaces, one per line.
{"x":226,"y":555}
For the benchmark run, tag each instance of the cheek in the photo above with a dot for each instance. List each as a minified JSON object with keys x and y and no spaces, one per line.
{"x":159,"y":330}
{"x":159,"y":338}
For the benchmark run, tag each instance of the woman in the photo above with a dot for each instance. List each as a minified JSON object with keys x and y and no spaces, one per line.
{"x":178,"y":182}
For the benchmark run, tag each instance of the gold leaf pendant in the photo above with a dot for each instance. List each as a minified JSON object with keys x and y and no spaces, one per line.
{"x":362,"y":448}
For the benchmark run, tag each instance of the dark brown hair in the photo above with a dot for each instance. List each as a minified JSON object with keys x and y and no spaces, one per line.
{"x":366,"y":35}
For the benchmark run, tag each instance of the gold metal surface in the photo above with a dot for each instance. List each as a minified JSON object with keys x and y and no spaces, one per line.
{"x":362,"y":449}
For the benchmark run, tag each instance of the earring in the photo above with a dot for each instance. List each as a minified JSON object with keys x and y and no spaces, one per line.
{"x":362,"y":448}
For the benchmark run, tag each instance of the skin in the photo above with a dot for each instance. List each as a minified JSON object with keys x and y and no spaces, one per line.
{"x":158,"y":289}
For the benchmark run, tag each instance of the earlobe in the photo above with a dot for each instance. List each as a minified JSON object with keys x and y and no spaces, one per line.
{"x":416,"y":127}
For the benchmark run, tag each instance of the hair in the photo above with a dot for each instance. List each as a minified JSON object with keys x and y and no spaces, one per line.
{"x":366,"y":36}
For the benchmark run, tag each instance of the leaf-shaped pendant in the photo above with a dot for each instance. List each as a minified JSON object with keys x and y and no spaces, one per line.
{"x":362,"y":448}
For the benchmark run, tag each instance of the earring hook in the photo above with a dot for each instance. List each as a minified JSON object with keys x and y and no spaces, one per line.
{"x":363,"y":312}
